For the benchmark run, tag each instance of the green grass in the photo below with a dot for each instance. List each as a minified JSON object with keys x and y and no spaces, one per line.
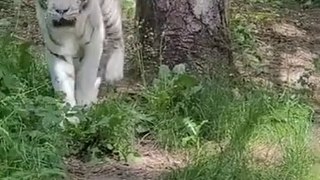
{"x":30,"y":140}
{"x":128,"y":8}
{"x":263,"y":119}
{"x":219,"y":121}
{"x":179,"y":110}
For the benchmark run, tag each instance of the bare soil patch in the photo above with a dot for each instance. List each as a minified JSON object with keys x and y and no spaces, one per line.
{"x":152,"y":164}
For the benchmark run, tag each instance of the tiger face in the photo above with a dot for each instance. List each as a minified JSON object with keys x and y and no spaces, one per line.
{"x":63,"y":13}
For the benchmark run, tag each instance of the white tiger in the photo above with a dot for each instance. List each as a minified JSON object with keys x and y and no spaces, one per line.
{"x":84,"y":45}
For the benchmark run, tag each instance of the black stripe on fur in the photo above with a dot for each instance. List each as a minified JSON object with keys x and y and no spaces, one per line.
{"x":51,"y":38}
{"x":58,"y":55}
{"x":43,"y":4}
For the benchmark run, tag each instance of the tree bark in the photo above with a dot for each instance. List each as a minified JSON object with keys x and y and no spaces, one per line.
{"x":194,"y":32}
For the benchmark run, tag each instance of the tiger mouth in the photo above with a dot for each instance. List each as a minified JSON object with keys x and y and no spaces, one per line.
{"x":64,"y":23}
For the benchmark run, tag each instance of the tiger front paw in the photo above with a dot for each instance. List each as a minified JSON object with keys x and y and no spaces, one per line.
{"x":113,"y":76}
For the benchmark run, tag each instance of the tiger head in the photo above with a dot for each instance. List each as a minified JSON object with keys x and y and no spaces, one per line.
{"x":62,"y":13}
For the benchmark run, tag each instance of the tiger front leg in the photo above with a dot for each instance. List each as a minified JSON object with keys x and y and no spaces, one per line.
{"x":87,"y":81}
{"x":113,"y":60}
{"x":114,"y":67}
{"x":62,"y":76}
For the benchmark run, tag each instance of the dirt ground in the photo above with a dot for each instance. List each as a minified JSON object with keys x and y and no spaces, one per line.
{"x":152,"y":164}
{"x":290,"y":47}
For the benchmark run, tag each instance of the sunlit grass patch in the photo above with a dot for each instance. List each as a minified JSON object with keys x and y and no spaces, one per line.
{"x":268,"y":139}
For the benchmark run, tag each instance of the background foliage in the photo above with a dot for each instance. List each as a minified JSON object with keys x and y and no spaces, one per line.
{"x":219,"y":121}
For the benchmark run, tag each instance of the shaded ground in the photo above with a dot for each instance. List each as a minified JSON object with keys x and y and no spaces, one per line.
{"x":152,"y":163}
{"x":289,"y":47}
{"x":292,"y":48}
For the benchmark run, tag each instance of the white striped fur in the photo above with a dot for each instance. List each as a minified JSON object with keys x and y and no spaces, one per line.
{"x":76,"y":34}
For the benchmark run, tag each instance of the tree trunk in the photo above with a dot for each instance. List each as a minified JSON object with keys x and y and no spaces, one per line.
{"x":194,"y":32}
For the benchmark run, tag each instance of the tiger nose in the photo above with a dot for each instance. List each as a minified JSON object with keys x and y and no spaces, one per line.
{"x":62,"y":11}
